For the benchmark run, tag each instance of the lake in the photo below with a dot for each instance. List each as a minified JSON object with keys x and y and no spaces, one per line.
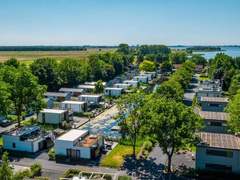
{"x":229,"y":50}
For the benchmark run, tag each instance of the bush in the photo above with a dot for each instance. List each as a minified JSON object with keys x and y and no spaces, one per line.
{"x":20,"y":175}
{"x":148,"y":145}
{"x":51,"y":154}
{"x":71,"y":172}
{"x":36,"y":170}
{"x":124,"y":178}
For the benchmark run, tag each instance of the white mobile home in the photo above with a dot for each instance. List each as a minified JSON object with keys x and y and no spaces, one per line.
{"x":74,"y":106}
{"x":91,"y":99}
{"x":78,"y":144}
{"x":122,"y":85}
{"x":94,"y":83}
{"x":53,"y":116}
{"x":72,"y":91}
{"x":28,"y":139}
{"x":218,"y":152}
{"x":112,"y":91}
{"x":131,"y":82}
{"x":141,"y":78}
{"x":87,"y":88}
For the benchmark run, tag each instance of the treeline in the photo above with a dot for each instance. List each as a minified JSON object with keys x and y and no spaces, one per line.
{"x":204,"y":48}
{"x":71,"y":72}
{"x":43,"y":48}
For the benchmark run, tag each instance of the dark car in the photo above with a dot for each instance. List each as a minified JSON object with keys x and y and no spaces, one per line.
{"x":5,"y":123}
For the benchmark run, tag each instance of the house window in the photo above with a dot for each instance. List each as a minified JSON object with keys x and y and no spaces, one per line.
{"x":214,"y":105}
{"x":13,"y":145}
{"x":215,"y":124}
{"x":219,"y":153}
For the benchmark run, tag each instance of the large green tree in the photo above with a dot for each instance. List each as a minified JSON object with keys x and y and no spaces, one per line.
{"x":235,"y":85}
{"x":147,"y":66}
{"x":5,"y":102}
{"x":46,"y":69}
{"x":234,"y":112}
{"x":171,"y":123}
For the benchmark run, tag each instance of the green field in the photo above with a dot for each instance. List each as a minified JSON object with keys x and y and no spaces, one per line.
{"x":28,"y":56}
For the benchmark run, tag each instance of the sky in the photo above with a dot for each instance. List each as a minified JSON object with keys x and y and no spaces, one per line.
{"x":110,"y":22}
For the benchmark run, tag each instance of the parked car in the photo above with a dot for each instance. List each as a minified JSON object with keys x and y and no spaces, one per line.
{"x":5,"y":123}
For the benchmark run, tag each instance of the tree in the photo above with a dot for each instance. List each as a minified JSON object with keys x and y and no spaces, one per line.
{"x":234,"y":112}
{"x":5,"y":102}
{"x":171,"y":124}
{"x":12,"y":62}
{"x":123,"y":48}
{"x":235,"y":85}
{"x":166,"y":66}
{"x":99,"y":87}
{"x":198,"y":59}
{"x":24,"y":89}
{"x":178,"y":57}
{"x":131,"y":126}
{"x":171,"y":90}
{"x":6,"y":172}
{"x":147,"y":66}
{"x":46,"y":69}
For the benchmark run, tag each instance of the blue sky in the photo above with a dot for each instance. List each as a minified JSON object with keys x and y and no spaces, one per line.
{"x":110,"y":22}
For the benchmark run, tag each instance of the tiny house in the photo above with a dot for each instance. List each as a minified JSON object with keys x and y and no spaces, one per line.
{"x":112,"y":91}
{"x":217,"y":104}
{"x":53,"y":116}
{"x":122,"y":85}
{"x":91,"y":99}
{"x":74,"y":106}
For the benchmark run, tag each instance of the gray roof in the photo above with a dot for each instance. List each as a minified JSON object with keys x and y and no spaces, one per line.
{"x":219,"y":140}
{"x":55,"y":94}
{"x":71,"y":90}
{"x":218,"y":116}
{"x":214,"y":99}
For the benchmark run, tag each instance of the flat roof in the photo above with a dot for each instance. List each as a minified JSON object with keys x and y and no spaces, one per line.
{"x":56,"y":111}
{"x":219,"y":140}
{"x":84,"y":86}
{"x":71,"y":90}
{"x":72,"y":135}
{"x":214,"y":99}
{"x":114,"y":88}
{"x":218,"y":116}
{"x":131,"y":81}
{"x":94,"y":83}
{"x":73,"y":102}
{"x":56,"y":94}
{"x":121,"y":84}
{"x":90,"y":95}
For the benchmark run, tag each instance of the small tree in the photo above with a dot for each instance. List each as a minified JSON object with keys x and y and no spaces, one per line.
{"x":147,"y":66}
{"x":99,"y":87}
{"x":6,"y":172}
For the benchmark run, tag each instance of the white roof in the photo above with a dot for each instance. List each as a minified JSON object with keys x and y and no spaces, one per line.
{"x":90,"y":95}
{"x":71,"y":90}
{"x":84,"y":86}
{"x":72,"y":135}
{"x":131,"y":81}
{"x":56,"y":111}
{"x":114,"y":88}
{"x":73,"y":102}
{"x":121,"y":84}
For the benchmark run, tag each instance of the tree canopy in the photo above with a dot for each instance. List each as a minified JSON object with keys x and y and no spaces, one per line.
{"x":147,"y":66}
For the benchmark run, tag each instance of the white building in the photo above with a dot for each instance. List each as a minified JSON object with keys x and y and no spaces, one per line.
{"x":72,"y":91}
{"x":87,"y":88}
{"x":28,"y":139}
{"x":131,"y":82}
{"x":94,"y":83}
{"x":112,"y":91}
{"x":141,"y":78}
{"x":74,"y":106}
{"x":150,"y":75}
{"x":209,"y":89}
{"x":91,"y":99}
{"x":78,"y":144}
{"x":218,"y":152}
{"x":122,"y":85}
{"x":53,"y":116}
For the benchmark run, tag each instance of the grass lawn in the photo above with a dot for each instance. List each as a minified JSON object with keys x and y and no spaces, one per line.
{"x":1,"y":140}
{"x":115,"y":158}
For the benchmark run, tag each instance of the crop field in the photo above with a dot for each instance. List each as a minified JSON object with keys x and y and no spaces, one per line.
{"x":28,"y":56}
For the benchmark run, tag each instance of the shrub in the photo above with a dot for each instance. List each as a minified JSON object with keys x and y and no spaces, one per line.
{"x":71,"y":172}
{"x":148,"y":145}
{"x":124,"y":178}
{"x":20,"y":175}
{"x":36,"y":170}
{"x":51,"y":154}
